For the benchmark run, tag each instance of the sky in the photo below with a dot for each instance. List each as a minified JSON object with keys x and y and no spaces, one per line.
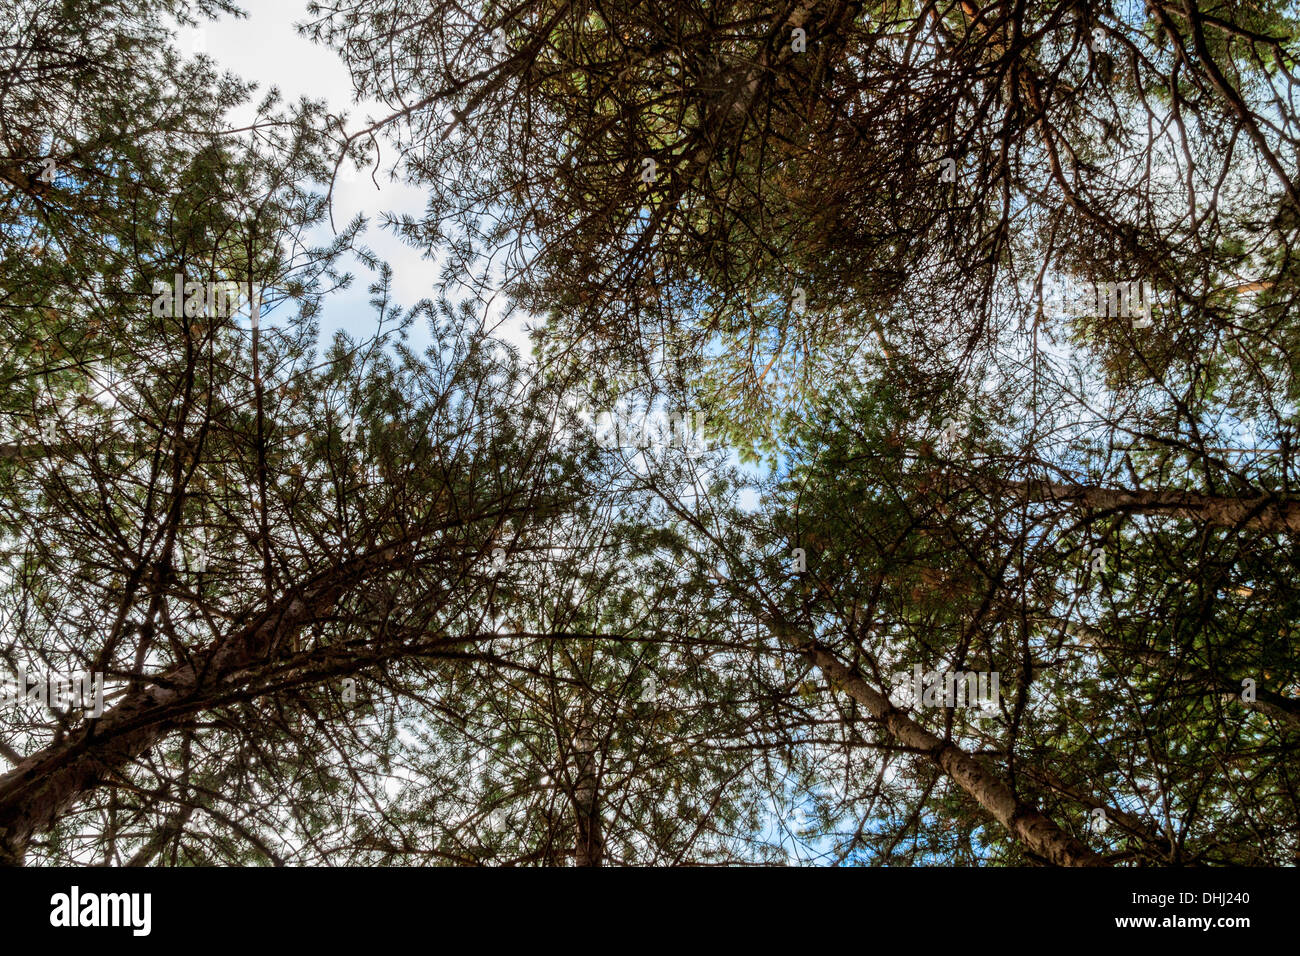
{"x":266,"y":49}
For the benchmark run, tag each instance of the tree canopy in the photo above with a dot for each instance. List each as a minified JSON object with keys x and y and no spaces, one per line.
{"x":987,"y":312}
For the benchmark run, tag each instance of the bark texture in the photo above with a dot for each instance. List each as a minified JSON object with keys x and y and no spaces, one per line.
{"x":1262,"y":513}
{"x":43,"y":786}
{"x":589,"y":849}
{"x":1026,"y":823}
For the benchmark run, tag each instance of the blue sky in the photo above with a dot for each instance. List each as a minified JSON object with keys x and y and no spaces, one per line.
{"x":266,"y":49}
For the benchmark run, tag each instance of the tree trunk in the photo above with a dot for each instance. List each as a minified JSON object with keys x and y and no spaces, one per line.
{"x":1026,"y":823}
{"x":1263,"y":513}
{"x":41,"y":788}
{"x":589,"y":849}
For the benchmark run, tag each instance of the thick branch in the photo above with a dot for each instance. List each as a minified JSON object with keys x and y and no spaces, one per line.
{"x":1026,"y":823}
{"x":41,"y":788}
